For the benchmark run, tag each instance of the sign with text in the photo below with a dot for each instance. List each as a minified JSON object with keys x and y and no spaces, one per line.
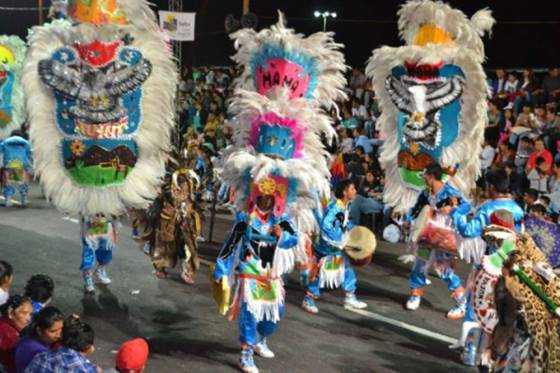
{"x":179,"y":26}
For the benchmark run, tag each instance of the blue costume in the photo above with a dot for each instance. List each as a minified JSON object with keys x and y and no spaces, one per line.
{"x":16,"y":154}
{"x":443,"y":262}
{"x":98,"y":242}
{"x":331,"y":267}
{"x":260,"y":259}
{"x":473,"y":338}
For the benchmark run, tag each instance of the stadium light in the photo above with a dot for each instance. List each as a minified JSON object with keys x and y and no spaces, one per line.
{"x":324,"y":15}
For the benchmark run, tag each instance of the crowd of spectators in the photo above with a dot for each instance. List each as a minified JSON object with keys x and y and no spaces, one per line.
{"x":37,"y":337}
{"x":522,"y":135}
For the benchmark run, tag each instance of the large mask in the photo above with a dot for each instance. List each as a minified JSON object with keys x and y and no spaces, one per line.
{"x":12,"y":102}
{"x":433,"y":95}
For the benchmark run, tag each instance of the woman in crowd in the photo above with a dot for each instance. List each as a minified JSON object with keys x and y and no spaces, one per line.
{"x":42,"y":334}
{"x":76,"y":344}
{"x":15,"y":316}
{"x":6,"y":279}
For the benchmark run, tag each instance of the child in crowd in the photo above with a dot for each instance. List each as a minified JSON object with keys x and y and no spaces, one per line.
{"x":6,"y":279}
{"x":77,"y":342}
{"x":15,"y":316}
{"x":44,"y":332}
{"x":39,"y":289}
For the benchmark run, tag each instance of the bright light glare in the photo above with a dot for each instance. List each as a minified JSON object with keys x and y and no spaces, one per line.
{"x":333,"y":14}
{"x":317,"y":14}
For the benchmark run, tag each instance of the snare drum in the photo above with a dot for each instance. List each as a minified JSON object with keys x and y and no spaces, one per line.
{"x":433,"y":230}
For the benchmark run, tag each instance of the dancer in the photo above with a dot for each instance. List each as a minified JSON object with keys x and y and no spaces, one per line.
{"x":438,"y":195}
{"x":433,"y":92}
{"x":473,"y":248}
{"x":15,"y":175}
{"x":255,"y":246}
{"x":99,"y":237}
{"x":101,"y":107}
{"x":332,"y":267}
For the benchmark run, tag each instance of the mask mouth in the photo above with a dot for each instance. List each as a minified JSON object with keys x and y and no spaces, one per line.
{"x":426,"y":133}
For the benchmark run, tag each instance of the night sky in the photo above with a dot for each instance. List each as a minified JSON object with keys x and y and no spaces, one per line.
{"x":527,"y":32}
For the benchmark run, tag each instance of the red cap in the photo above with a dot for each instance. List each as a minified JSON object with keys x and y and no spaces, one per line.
{"x":132,"y":355}
{"x":502,"y":218}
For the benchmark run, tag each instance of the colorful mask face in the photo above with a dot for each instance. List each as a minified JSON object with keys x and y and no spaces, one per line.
{"x":98,"y":91}
{"x":12,"y":53}
{"x":276,"y":67}
{"x":279,"y":187}
{"x":277,"y":137}
{"x":428,"y":98}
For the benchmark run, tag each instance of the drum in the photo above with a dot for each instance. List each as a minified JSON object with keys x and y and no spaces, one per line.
{"x":360,"y":246}
{"x":432,"y":230}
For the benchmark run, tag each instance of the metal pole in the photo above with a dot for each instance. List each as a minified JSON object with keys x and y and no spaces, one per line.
{"x":324,"y":23}
{"x":246,"y":6}
{"x":40,"y":12}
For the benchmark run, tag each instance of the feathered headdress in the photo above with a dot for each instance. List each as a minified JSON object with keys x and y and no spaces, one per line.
{"x":278,"y":119}
{"x":12,"y":102}
{"x":433,"y":93}
{"x":102,"y":106}
{"x":277,"y":58}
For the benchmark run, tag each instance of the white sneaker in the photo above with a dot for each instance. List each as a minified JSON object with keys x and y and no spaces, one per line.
{"x":413,"y":302}
{"x":351,"y":301}
{"x":102,"y":276}
{"x":263,"y":350}
{"x":308,"y":305}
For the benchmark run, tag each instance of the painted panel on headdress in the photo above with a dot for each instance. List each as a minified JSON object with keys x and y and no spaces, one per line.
{"x":98,"y":93}
{"x":277,"y":136}
{"x":274,"y":66}
{"x":96,"y":11}
{"x":428,"y":98}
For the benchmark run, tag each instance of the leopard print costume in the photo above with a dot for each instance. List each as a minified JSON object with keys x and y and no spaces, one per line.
{"x":543,"y":325}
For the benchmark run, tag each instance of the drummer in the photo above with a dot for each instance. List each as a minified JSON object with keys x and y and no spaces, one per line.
{"x":440,"y":196}
{"x":472,"y":229}
{"x":331,"y":267}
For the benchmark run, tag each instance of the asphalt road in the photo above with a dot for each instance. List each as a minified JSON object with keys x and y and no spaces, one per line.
{"x":185,"y":332}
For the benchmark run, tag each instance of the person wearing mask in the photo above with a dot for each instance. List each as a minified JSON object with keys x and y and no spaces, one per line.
{"x":15,"y":316}
{"x":44,"y":332}
{"x":77,"y":343}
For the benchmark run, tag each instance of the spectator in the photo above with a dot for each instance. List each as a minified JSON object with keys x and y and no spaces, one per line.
{"x":362,"y":140}
{"x":551,"y":85}
{"x":499,"y":84}
{"x":509,"y":121}
{"x":552,"y":126}
{"x":554,"y":188}
{"x":347,"y":142}
{"x":6,"y":280}
{"x":39,"y":289}
{"x":495,"y":123}
{"x":506,"y":154}
{"x":540,"y":120}
{"x":529,"y":90}
{"x":15,"y":316}
{"x":357,"y":82}
{"x":526,"y":117}
{"x":348,"y":120}
{"x":132,"y":357}
{"x":359,"y":111}
{"x":41,"y":336}
{"x":529,"y":198}
{"x":540,"y":151}
{"x":367,"y":200}
{"x":538,"y":177}
{"x":512,"y":84}
{"x":77,"y":343}
{"x":537,"y":210}
{"x":487,"y":156}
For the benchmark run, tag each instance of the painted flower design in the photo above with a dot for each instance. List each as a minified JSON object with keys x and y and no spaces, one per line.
{"x":77,"y":147}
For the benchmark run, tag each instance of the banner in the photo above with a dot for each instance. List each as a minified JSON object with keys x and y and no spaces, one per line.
{"x":179,"y":26}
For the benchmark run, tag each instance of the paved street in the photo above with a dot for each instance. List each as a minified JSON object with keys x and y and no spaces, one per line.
{"x":187,"y":335}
